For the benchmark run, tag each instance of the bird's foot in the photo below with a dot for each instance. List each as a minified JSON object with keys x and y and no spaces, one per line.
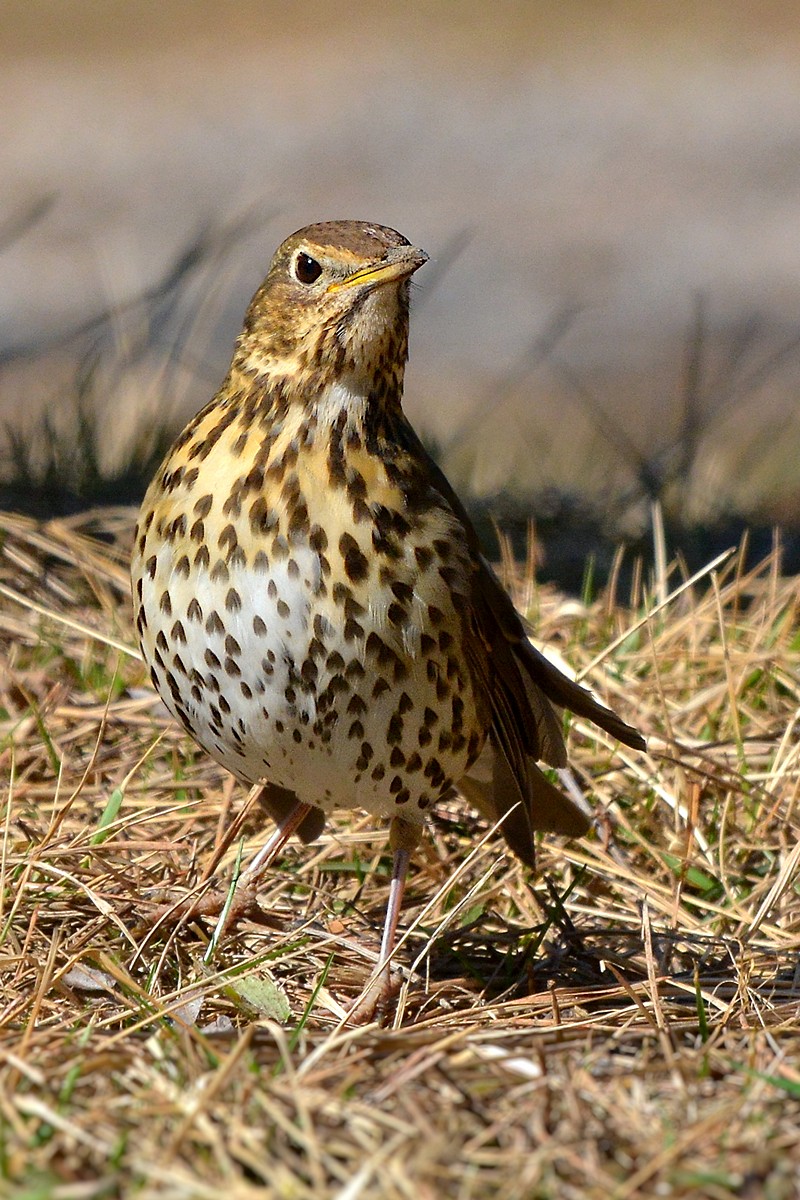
{"x":244,"y":903}
{"x":378,"y":993}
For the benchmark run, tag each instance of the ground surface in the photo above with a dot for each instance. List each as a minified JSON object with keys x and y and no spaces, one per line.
{"x":626,"y":1024}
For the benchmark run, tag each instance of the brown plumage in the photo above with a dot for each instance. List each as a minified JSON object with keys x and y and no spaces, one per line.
{"x":310,"y":594}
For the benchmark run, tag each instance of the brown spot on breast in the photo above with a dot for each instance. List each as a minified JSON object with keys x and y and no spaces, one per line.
{"x":298,"y":521}
{"x":384,"y":655}
{"x":262,"y":518}
{"x":386,"y":545}
{"x":214,"y":623}
{"x":322,"y":626}
{"x":402,"y":591}
{"x":254,"y":479}
{"x":355,"y":562}
{"x":177,"y":529}
{"x":318,"y":539}
{"x":397,"y":615}
{"x":394,"y":730}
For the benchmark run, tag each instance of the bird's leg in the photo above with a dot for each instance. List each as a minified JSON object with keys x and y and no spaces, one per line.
{"x":212,"y":903}
{"x":403,"y":839}
{"x":275,"y":843}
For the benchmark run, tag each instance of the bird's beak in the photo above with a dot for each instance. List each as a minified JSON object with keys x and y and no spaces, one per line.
{"x":398,"y":264}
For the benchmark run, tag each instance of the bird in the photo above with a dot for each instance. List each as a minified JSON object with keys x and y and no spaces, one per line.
{"x":310,"y":595}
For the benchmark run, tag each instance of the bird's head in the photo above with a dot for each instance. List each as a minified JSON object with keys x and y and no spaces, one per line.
{"x":333,"y":308}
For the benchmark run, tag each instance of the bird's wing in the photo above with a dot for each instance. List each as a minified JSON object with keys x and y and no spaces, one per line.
{"x":543,"y":680}
{"x":521,"y":686}
{"x":506,"y":784}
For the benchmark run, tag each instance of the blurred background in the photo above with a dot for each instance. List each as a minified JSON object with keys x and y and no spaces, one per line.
{"x":610,"y":192}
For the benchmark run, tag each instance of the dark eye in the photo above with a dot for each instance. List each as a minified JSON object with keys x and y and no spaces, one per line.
{"x":306,"y":269}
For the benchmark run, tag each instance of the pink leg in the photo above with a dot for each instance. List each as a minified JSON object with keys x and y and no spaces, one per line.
{"x":403,"y":838}
{"x":275,"y":842}
{"x":402,"y":857}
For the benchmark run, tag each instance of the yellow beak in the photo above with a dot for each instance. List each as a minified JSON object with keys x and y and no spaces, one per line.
{"x":398,"y":264}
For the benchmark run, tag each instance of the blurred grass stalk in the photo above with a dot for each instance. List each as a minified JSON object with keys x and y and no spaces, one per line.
{"x":93,"y":414}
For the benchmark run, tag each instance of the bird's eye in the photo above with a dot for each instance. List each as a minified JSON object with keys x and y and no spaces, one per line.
{"x":306,"y":269}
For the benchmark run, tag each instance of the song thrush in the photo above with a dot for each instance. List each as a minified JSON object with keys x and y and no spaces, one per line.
{"x":309,"y":592}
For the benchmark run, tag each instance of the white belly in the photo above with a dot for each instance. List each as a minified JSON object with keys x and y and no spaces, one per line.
{"x":345,"y":714}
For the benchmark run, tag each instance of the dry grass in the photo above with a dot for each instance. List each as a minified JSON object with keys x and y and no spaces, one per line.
{"x":625,"y":1025}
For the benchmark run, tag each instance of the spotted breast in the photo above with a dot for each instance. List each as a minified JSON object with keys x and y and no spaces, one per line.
{"x":303,"y":615}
